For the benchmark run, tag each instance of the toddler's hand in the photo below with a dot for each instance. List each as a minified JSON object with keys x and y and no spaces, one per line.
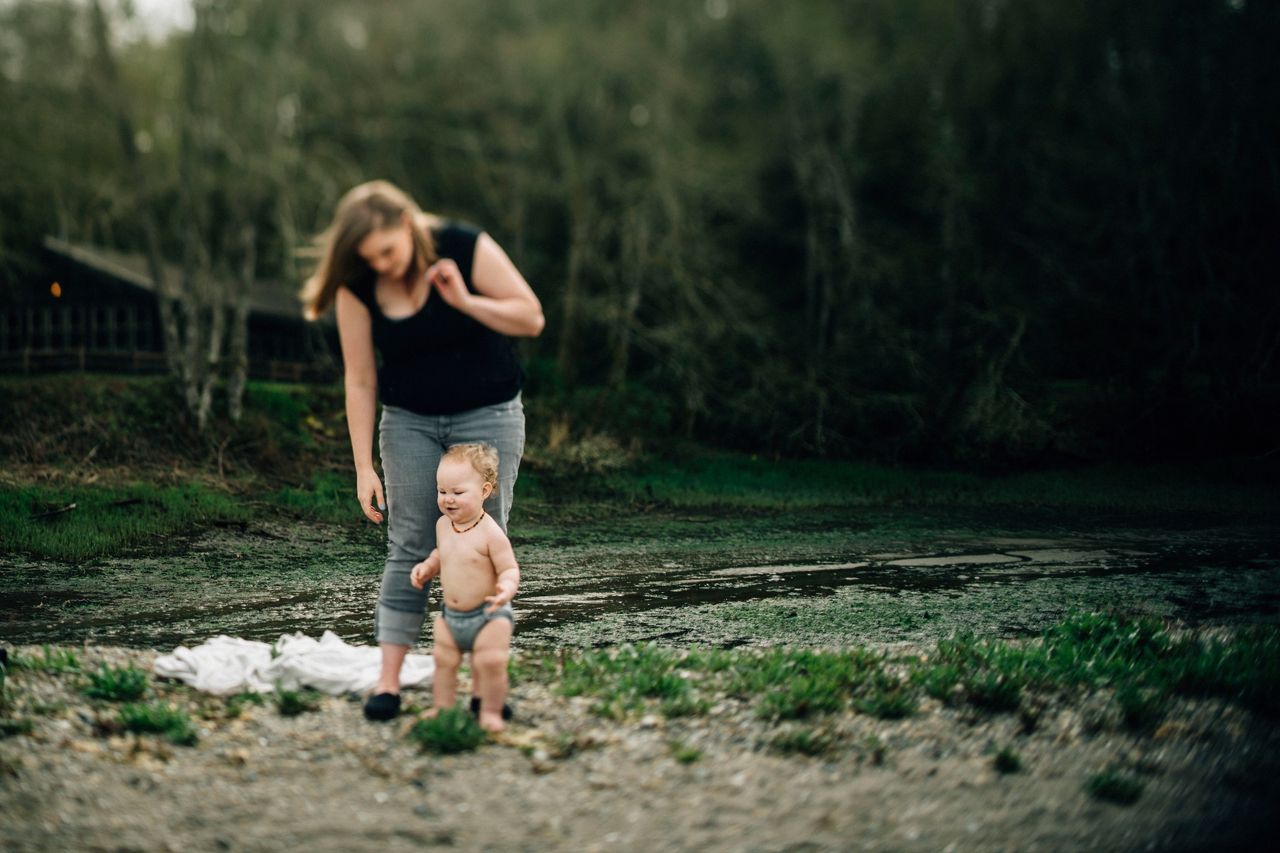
{"x":506,"y":592}
{"x":420,"y":574}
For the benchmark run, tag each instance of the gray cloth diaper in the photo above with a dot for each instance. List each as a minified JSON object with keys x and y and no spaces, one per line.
{"x":464,"y":625}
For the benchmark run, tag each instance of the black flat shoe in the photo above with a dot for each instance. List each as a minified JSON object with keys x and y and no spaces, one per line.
{"x":475,"y":708}
{"x":383,"y":706}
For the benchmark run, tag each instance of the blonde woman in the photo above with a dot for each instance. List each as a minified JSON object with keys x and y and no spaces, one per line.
{"x":439,"y":302}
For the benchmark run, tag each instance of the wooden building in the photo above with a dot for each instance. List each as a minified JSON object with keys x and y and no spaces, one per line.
{"x":91,"y":308}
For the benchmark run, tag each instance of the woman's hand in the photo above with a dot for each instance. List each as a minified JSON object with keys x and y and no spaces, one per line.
{"x":369,"y":487}
{"x":446,"y":278}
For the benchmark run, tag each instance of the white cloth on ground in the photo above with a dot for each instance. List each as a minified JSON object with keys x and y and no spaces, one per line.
{"x":224,"y":665}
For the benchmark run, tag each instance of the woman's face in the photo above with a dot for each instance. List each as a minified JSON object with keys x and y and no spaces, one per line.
{"x":388,"y":251}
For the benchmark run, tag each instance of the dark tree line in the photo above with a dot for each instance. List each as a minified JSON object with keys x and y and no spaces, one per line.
{"x":911,"y":229}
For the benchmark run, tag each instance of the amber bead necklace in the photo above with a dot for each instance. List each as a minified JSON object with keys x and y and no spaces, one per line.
{"x":471,"y":526}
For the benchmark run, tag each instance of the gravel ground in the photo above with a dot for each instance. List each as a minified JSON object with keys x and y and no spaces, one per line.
{"x":565,"y":779}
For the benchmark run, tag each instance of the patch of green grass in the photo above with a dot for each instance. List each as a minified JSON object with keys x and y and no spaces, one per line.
{"x":451,"y":731}
{"x":1006,"y":760}
{"x":993,"y":691}
{"x":330,"y":497}
{"x":939,"y":681}
{"x":10,"y":728}
{"x":291,"y":703}
{"x":623,"y":678}
{"x":803,"y":697}
{"x":803,"y":742}
{"x":159,"y":718}
{"x":711,"y":478}
{"x":46,"y":709}
{"x":106,"y":521}
{"x":52,"y":660}
{"x":888,"y":702}
{"x":875,"y":748}
{"x":117,"y":684}
{"x":1115,"y":787}
{"x":684,"y":753}
{"x":235,"y":704}
{"x":1141,"y":709}
{"x":684,"y":705}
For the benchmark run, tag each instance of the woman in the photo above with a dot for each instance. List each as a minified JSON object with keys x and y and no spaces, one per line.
{"x":437,"y":301}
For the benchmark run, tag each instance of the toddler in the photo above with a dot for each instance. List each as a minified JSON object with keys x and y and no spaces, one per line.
{"x":476,"y":565}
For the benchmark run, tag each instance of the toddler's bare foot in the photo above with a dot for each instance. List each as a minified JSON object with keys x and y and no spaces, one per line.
{"x":429,"y":714}
{"x":492,"y":722}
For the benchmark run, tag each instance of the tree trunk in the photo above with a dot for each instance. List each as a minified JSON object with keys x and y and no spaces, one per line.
{"x":238,"y":347}
{"x":119,"y":103}
{"x":568,"y":354}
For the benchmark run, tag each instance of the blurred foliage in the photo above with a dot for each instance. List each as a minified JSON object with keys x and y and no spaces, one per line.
{"x":984,"y":232}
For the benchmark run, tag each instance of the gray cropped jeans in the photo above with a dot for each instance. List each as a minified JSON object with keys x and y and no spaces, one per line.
{"x":411,"y":447}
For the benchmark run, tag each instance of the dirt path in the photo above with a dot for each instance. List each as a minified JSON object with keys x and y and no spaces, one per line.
{"x":565,"y":779}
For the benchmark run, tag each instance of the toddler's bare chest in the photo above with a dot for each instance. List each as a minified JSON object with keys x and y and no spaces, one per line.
{"x":463,"y":556}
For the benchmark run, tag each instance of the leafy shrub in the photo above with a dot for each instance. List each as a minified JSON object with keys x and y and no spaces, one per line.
{"x":9,"y":728}
{"x":684,"y":753}
{"x":450,"y":731}
{"x":803,"y":697}
{"x":1114,"y":786}
{"x":803,"y":741}
{"x":1141,"y":709}
{"x":940,"y":681}
{"x":117,"y":684}
{"x":291,"y":703}
{"x":158,"y":718}
{"x":993,"y":691}
{"x":53,"y":660}
{"x":1006,"y":760}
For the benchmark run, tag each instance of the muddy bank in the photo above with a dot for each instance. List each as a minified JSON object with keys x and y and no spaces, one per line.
{"x":836,"y":576}
{"x":566,"y":779}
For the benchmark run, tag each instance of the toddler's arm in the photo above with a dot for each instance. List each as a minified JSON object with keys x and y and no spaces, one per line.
{"x":425,"y":570}
{"x":508,"y":572}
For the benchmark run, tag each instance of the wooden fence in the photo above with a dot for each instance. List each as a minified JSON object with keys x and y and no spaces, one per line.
{"x":29,"y":362}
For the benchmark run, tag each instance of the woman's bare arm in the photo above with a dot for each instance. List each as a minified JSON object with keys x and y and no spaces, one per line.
{"x":355,"y":330}
{"x":503,"y":300}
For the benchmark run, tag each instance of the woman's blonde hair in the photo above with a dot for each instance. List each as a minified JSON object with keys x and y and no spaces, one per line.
{"x":363,"y":210}
{"x":481,"y":457}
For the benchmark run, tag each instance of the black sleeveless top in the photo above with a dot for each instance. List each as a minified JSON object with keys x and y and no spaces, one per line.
{"x":440,"y":361}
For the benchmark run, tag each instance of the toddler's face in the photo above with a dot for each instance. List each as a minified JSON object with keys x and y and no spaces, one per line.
{"x":460,"y":490}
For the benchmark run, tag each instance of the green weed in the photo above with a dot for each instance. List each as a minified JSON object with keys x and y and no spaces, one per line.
{"x":875,"y":748}
{"x":1114,"y":786}
{"x":684,"y":753}
{"x":450,"y":731}
{"x":10,"y":728}
{"x":235,"y":704}
{"x":1141,"y":709}
{"x":993,"y":691}
{"x":803,"y":697}
{"x":803,"y":741}
{"x":623,"y":678}
{"x":684,"y":705}
{"x":46,"y":709}
{"x":1006,"y":760}
{"x":158,"y":718}
{"x":117,"y":684}
{"x":105,"y":521}
{"x":888,"y":703}
{"x":50,"y":660}
{"x":291,"y":703}
{"x":939,"y":681}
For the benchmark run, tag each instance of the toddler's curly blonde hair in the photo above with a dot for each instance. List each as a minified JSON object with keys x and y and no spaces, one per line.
{"x":482,"y":457}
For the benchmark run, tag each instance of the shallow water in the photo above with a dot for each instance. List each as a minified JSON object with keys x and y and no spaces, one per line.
{"x":834,"y":576}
